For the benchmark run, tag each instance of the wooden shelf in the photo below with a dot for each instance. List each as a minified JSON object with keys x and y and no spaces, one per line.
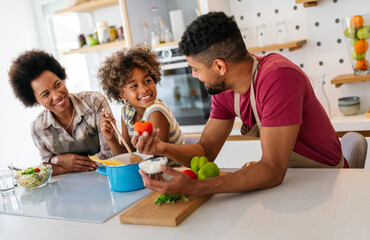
{"x":165,"y":44}
{"x":349,"y":78}
{"x":98,"y":47}
{"x":307,"y":3}
{"x":290,"y":45}
{"x":89,"y":6}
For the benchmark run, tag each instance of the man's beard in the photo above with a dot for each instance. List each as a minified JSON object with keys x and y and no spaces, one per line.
{"x":217,"y":88}
{"x":213,"y":91}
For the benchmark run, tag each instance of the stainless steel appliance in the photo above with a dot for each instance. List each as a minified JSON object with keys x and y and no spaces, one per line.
{"x":187,"y":97}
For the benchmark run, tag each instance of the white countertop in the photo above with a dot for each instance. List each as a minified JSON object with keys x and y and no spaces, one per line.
{"x":340,"y":123}
{"x":310,"y":204}
{"x":351,"y":123}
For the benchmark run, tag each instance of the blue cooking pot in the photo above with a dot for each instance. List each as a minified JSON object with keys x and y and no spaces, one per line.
{"x":122,"y":178}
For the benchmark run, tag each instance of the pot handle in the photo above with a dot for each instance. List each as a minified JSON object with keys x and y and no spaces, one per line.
{"x":101,"y":170}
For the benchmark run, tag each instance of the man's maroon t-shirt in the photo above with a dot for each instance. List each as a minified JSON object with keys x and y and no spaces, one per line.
{"x":284,"y":96}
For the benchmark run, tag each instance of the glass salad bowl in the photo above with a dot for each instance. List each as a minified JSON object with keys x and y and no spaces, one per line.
{"x":34,"y":177}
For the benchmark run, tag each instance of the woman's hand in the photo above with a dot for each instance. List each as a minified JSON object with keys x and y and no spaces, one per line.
{"x":106,"y":126}
{"x":76,"y":163}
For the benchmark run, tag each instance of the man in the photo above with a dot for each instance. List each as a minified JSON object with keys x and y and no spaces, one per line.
{"x":271,"y":95}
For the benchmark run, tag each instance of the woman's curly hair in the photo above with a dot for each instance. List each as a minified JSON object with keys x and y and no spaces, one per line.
{"x":28,"y":66}
{"x":211,"y":36}
{"x":117,"y":69}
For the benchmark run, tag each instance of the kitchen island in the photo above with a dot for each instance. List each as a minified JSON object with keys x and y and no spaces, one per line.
{"x":309,"y":204}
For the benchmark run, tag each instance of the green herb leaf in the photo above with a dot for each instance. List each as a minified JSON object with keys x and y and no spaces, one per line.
{"x":169,"y":198}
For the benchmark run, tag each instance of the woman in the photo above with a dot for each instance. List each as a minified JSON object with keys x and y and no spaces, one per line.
{"x":67,"y":130}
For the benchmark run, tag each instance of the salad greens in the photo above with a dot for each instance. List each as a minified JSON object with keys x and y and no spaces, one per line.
{"x":169,"y":198}
{"x":34,"y":177}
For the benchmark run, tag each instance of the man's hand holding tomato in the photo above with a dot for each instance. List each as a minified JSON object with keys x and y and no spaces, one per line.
{"x":145,"y":138}
{"x":143,"y":126}
{"x":149,"y":144}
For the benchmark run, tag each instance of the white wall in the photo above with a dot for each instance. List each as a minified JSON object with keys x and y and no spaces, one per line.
{"x":325,"y":51}
{"x":19,"y":32}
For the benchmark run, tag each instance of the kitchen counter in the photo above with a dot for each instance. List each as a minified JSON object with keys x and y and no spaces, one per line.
{"x":351,"y":123}
{"x":310,"y":204}
{"x":340,"y":124}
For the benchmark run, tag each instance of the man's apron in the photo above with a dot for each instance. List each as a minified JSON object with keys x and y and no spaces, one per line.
{"x":296,"y":160}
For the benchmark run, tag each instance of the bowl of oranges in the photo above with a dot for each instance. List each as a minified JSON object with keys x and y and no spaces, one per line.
{"x":357,"y":32}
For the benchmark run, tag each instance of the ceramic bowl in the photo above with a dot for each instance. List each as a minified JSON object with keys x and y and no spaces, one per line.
{"x":153,"y":166}
{"x":349,"y":105}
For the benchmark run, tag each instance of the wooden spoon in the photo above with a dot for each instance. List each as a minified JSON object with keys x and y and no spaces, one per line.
{"x":133,"y":158}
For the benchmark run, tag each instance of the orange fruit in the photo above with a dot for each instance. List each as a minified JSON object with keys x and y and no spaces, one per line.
{"x":362,"y":64}
{"x":361,"y":46}
{"x":357,"y":22}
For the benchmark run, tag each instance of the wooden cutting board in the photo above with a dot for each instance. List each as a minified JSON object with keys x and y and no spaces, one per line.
{"x":146,"y":212}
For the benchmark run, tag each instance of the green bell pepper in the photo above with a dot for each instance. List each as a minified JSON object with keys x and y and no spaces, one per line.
{"x":203,"y":168}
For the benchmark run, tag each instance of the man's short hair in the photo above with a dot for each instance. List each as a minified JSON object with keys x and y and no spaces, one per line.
{"x":213,"y":36}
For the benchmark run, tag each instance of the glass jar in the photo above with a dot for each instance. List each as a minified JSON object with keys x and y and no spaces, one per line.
{"x":103,"y":32}
{"x":147,"y":37}
{"x":91,"y":41}
{"x":168,"y":35}
{"x":81,"y":40}
{"x":113,"y":34}
{"x":357,"y":34}
{"x":156,"y":21}
{"x":154,"y":38}
{"x":120,"y":33}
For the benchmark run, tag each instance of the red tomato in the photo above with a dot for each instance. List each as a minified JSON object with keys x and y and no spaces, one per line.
{"x":190,"y":173}
{"x":37,"y":169}
{"x":143,"y":126}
